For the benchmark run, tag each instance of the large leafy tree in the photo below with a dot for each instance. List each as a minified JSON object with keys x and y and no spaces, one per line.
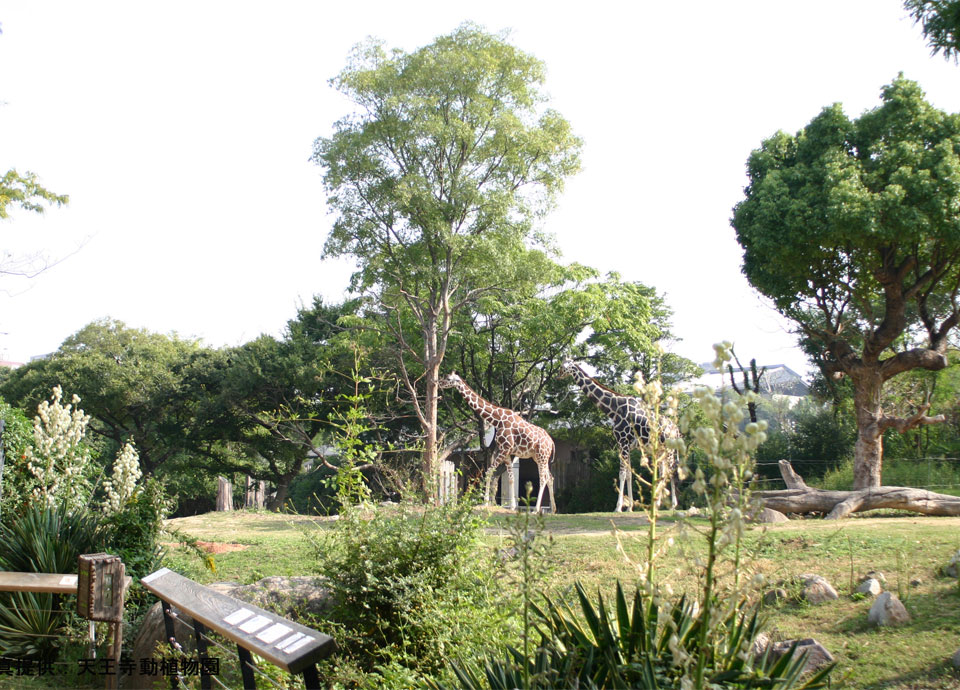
{"x":130,"y":380}
{"x":852,"y":228}
{"x":437,"y":180}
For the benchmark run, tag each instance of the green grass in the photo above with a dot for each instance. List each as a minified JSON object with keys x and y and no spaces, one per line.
{"x":584,"y":548}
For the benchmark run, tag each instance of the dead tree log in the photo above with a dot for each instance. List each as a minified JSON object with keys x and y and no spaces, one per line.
{"x":800,"y":498}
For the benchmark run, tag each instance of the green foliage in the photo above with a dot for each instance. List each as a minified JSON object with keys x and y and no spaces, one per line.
{"x":943,"y":476}
{"x":940,"y":20}
{"x":26,"y":192}
{"x":411,"y":585}
{"x":133,"y":533}
{"x":17,"y":438}
{"x":636,"y":643}
{"x":41,"y":539}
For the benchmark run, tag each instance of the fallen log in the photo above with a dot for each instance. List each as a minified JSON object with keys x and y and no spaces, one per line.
{"x":800,"y":498}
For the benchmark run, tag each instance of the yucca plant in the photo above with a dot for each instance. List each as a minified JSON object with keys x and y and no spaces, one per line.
{"x":636,"y":645}
{"x":43,"y":539}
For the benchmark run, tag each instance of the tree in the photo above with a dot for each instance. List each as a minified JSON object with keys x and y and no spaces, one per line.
{"x":437,"y":180}
{"x":852,"y":228}
{"x":940,"y":20}
{"x":129,"y":380}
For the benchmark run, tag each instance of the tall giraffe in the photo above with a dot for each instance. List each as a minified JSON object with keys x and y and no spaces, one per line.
{"x":515,"y":436}
{"x":631,"y":426}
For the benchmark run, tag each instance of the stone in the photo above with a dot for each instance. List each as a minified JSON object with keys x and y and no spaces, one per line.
{"x":816,"y":589}
{"x":290,"y":597}
{"x":775,"y":596}
{"x":916,"y":582}
{"x":870,"y":586}
{"x":769,"y":516}
{"x":956,"y":660}
{"x":760,"y":644}
{"x":876,"y":575}
{"x":888,"y":610}
{"x":817,"y":654}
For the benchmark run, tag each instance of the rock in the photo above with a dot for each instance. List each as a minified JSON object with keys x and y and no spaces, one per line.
{"x":916,"y":582}
{"x":870,"y":586}
{"x":693,"y":511}
{"x":956,"y":660}
{"x":888,"y":610}
{"x":775,"y":596}
{"x":952,"y":568}
{"x":290,"y":597}
{"x":760,"y":644}
{"x":817,"y":654}
{"x":816,"y":589}
{"x":769,"y":515}
{"x":876,"y":575}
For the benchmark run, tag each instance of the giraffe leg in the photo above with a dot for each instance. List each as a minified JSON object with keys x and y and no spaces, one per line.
{"x":673,"y":490}
{"x":629,"y":504}
{"x":623,"y":479}
{"x":544,"y":479}
{"x":553,"y":504}
{"x":500,"y":458}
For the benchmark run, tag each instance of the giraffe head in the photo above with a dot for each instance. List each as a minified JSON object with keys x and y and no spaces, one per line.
{"x":450,"y":380}
{"x":567,"y":368}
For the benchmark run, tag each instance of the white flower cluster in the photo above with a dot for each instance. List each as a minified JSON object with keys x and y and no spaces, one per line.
{"x":59,"y":459}
{"x":123,"y":484}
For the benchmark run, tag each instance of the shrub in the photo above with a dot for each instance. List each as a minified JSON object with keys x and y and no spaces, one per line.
{"x":942,"y":476}
{"x":411,"y":585}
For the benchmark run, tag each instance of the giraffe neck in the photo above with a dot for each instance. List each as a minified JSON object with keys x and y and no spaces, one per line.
{"x":605,"y":399}
{"x":477,"y":404}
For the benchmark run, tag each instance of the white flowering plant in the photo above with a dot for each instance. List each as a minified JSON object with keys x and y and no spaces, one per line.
{"x":59,"y":461}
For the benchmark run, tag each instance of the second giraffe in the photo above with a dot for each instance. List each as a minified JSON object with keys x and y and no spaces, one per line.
{"x":631,"y":426}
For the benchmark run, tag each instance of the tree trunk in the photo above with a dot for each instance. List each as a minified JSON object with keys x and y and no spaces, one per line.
{"x":868,"y":451}
{"x":430,"y":463}
{"x":283,"y":490}
{"x":839,"y":504}
{"x":254,"y":496}
{"x":224,"y":494}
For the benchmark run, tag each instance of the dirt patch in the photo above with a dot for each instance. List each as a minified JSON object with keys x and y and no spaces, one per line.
{"x":216,"y":547}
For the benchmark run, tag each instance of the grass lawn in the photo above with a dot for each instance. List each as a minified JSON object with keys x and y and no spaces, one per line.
{"x":584,"y":548}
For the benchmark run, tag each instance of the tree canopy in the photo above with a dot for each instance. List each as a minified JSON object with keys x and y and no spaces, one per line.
{"x":851,"y":227}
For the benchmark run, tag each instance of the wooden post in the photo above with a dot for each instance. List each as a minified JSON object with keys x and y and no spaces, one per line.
{"x":101,"y":590}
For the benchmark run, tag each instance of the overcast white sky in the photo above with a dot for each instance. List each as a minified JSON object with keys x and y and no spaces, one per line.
{"x":182,"y":133}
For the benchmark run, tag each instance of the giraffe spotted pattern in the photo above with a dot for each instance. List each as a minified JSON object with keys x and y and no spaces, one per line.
{"x":515,"y":437}
{"x":631,"y":426}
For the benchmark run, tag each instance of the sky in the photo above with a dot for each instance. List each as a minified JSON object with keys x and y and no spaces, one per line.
{"x":182,"y":132}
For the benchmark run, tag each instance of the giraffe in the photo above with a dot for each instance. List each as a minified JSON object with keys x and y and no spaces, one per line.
{"x":515,"y":436}
{"x":630,"y":418}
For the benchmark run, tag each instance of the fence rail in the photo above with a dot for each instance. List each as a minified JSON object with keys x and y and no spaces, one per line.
{"x":288,"y":645}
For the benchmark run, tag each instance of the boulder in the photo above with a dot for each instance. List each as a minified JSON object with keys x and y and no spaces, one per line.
{"x":817,"y":654}
{"x":888,"y":610}
{"x":769,"y":515}
{"x":760,"y":644}
{"x":871,"y":587}
{"x":876,"y":575}
{"x":291,"y":597}
{"x":816,"y":589}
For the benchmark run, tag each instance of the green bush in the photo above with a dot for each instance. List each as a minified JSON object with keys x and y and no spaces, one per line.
{"x":412,"y":585}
